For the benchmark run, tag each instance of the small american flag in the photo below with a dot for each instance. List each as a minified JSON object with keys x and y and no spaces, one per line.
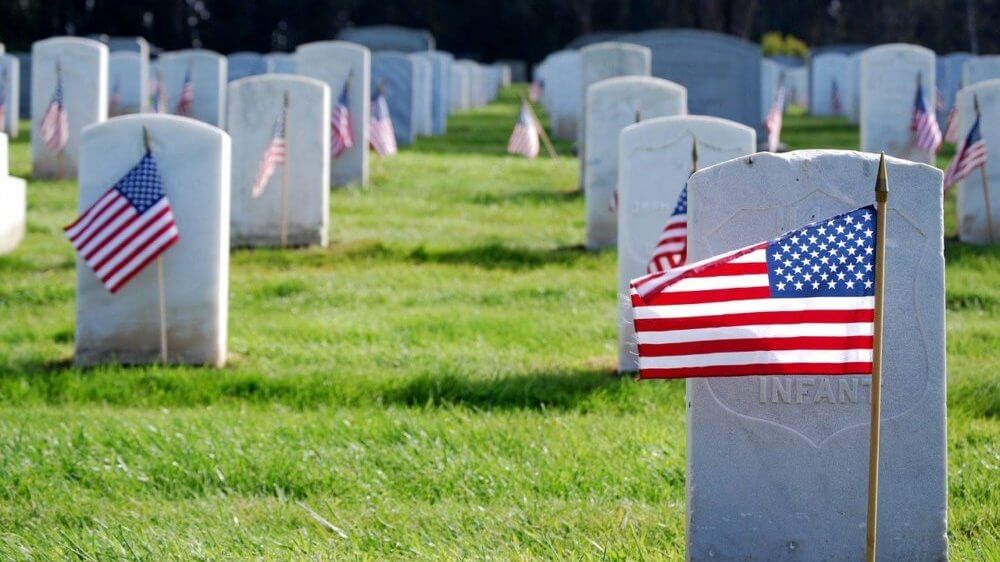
{"x":158,"y":95}
{"x":382,"y":135}
{"x":535,"y":90}
{"x":774,"y":118}
{"x":116,"y":97}
{"x":4,"y":84}
{"x":803,"y":303}
{"x":275,"y":154}
{"x":671,"y":248}
{"x":951,"y":125}
{"x":186,"y":101}
{"x":927,"y":134}
{"x":341,"y":133}
{"x":835,"y":97}
{"x":54,"y":127}
{"x":971,"y":155}
{"x":128,"y":227}
{"x":524,"y":138}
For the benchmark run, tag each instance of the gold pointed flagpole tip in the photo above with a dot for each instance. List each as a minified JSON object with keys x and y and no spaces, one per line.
{"x":881,"y":182}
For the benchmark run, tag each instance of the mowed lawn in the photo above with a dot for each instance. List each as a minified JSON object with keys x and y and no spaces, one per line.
{"x":438,"y":383}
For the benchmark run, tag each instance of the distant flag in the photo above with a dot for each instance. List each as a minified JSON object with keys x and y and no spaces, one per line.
{"x":128,"y":227}
{"x":951,"y":125}
{"x":186,"y":101}
{"x":969,"y":156}
{"x":536,"y":90}
{"x":803,"y":303}
{"x":671,"y":248}
{"x":4,"y":84}
{"x":927,"y":134}
{"x":835,"y":97}
{"x":613,"y":203}
{"x":774,"y":118}
{"x":275,"y":154}
{"x":524,"y":138}
{"x":939,"y":103}
{"x":115,"y":100}
{"x":382,"y":135}
{"x":158,"y":97}
{"x":341,"y":133}
{"x":54,"y":127}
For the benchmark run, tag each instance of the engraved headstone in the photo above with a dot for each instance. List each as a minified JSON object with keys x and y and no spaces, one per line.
{"x":980,"y":68}
{"x":422,"y":90}
{"x":389,"y":38}
{"x":720,"y":72}
{"x":440,"y":89}
{"x":614,"y":104}
{"x":655,"y":161}
{"x":243,"y":64}
{"x":798,"y":85}
{"x":83,"y":66}
{"x":208,"y":78}
{"x":949,"y":77}
{"x":601,"y":61}
{"x":13,"y":204}
{"x":459,"y":95}
{"x":889,"y":76}
{"x":563,"y":96}
{"x":128,"y":83}
{"x":10,"y":83}
{"x":334,"y":62}
{"x":396,"y":75}
{"x":971,"y":205}
{"x":300,"y":186}
{"x":194,"y":161}
{"x":777,"y":466}
{"x":830,"y":70}
{"x":279,"y":63}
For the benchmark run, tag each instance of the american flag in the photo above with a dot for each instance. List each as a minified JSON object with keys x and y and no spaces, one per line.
{"x":951,"y":125}
{"x":802,"y":303}
{"x":54,"y":128}
{"x":524,"y":138}
{"x":341,"y":133}
{"x":382,"y":136}
{"x":927,"y":134}
{"x":971,"y":155}
{"x":186,"y":101}
{"x":835,"y":97}
{"x":4,"y":84}
{"x":276,"y":153}
{"x":774,"y":117}
{"x":116,"y":97}
{"x":671,"y":248}
{"x":128,"y":227}
{"x":939,"y":102}
{"x":536,"y":89}
{"x":158,"y":97}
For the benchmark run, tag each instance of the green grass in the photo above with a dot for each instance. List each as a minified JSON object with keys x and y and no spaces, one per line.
{"x":436,"y":384}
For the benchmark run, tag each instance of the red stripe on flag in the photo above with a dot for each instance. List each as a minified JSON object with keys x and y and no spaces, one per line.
{"x":833,"y":369}
{"x":755,"y":344}
{"x":754,"y":319}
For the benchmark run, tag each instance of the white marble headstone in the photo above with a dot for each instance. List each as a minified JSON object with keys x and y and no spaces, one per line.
{"x":244,"y":64}
{"x":255,"y":104}
{"x":459,"y":88}
{"x":777,"y":466}
{"x":84,"y":67}
{"x":194,"y":161}
{"x":280,"y":63}
{"x":334,"y":62}
{"x":829,"y":69}
{"x":128,"y":83}
{"x":612,"y":105}
{"x":980,"y":68}
{"x":422,"y":91}
{"x":13,"y":204}
{"x":971,"y":207}
{"x":798,"y":85}
{"x":601,"y":61}
{"x":771,"y":73}
{"x":10,"y":81}
{"x":24,"y":99}
{"x":563,"y":95}
{"x":208,"y":75}
{"x":655,"y":162}
{"x":949,"y":77}
{"x":888,"y":88}
{"x":852,"y":102}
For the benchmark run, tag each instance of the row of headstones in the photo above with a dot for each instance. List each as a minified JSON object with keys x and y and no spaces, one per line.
{"x":791,"y":451}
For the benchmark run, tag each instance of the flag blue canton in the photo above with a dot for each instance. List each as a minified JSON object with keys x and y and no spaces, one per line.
{"x":343,"y":95}
{"x":142,"y":186}
{"x":974,"y":134}
{"x":831,"y":258}
{"x":682,"y":203}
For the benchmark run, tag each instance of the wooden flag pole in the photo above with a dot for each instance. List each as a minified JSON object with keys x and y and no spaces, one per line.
{"x":985,"y":180}
{"x":284,"y":176}
{"x":160,"y":286}
{"x":541,"y":130}
{"x":881,"y":197}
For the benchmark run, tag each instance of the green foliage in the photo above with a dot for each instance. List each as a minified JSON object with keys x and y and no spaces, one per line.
{"x":774,"y":43}
{"x":438,"y":384}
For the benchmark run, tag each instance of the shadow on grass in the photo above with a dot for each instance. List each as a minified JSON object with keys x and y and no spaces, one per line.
{"x":499,"y":256}
{"x":533,"y":197}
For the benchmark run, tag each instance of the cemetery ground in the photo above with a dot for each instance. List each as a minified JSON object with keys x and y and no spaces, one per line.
{"x":438,"y":383}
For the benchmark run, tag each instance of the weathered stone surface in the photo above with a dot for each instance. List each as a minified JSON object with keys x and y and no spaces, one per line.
{"x":10,"y":81}
{"x":194,"y":160}
{"x":243,"y":64}
{"x":389,"y":38}
{"x":396,"y":74}
{"x":980,"y":68}
{"x":614,"y":104}
{"x":84,"y":67}
{"x":208,"y":75}
{"x":255,"y":104}
{"x":827,"y":70}
{"x":973,"y":219}
{"x":889,"y":76}
{"x":654,"y":163}
{"x":128,"y":83}
{"x":777,"y":465}
{"x":422,"y":91}
{"x":720,"y":72}
{"x":562,"y":96}
{"x":334,"y":62}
